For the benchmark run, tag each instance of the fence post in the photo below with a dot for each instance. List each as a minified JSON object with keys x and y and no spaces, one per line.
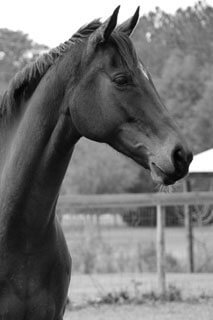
{"x":161,"y":250}
{"x":189,"y":230}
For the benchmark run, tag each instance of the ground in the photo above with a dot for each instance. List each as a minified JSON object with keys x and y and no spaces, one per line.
{"x":92,"y":287}
{"x":196,"y":292}
{"x":168,"y":311}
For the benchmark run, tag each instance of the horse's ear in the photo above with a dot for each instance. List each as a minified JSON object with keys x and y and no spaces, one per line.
{"x":128,"y":26}
{"x":103,"y":33}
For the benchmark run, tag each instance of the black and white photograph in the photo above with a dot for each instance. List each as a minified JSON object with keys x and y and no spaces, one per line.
{"x":106,"y":160}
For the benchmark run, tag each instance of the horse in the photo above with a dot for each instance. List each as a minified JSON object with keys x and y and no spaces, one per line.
{"x":93,"y":85}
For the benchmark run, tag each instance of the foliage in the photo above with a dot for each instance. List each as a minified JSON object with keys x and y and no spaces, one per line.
{"x":190,"y":30}
{"x":125,"y":296}
{"x":16,"y":50}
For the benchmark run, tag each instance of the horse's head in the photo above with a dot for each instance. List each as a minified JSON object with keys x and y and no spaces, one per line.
{"x":115,"y":101}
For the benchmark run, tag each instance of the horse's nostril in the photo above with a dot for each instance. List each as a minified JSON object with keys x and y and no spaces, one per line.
{"x":180,"y":157}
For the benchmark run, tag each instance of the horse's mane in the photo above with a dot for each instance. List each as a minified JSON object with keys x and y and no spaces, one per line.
{"x":26,"y":80}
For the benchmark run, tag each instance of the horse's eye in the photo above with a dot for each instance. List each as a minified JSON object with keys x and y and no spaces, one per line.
{"x":122,"y":80}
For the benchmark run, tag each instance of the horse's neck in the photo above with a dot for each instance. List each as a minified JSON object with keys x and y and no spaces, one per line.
{"x":38,"y":158}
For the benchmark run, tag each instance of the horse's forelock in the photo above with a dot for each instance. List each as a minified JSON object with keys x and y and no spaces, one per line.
{"x":125,"y":49}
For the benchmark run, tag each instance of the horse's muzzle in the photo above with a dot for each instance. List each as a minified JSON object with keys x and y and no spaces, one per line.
{"x":180,"y":161}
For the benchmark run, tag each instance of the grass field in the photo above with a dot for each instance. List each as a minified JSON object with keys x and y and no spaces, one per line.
{"x":130,"y":237}
{"x":125,"y":241}
{"x":167,"y":311}
{"x":196,"y":294}
{"x":93,"y":286}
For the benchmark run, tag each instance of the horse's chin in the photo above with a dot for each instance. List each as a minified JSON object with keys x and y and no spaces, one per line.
{"x":161,"y":177}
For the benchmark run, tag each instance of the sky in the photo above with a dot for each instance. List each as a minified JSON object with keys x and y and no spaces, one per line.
{"x":51,"y":22}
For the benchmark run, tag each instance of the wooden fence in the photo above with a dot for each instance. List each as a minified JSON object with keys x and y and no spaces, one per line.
{"x":160,"y":200}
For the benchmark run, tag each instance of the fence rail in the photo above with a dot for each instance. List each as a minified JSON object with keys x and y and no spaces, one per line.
{"x":136,"y":200}
{"x":160,"y":200}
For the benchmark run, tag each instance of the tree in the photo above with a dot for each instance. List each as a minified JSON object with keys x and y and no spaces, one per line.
{"x":190,"y":30}
{"x":203,"y":126}
{"x":16,"y":50}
